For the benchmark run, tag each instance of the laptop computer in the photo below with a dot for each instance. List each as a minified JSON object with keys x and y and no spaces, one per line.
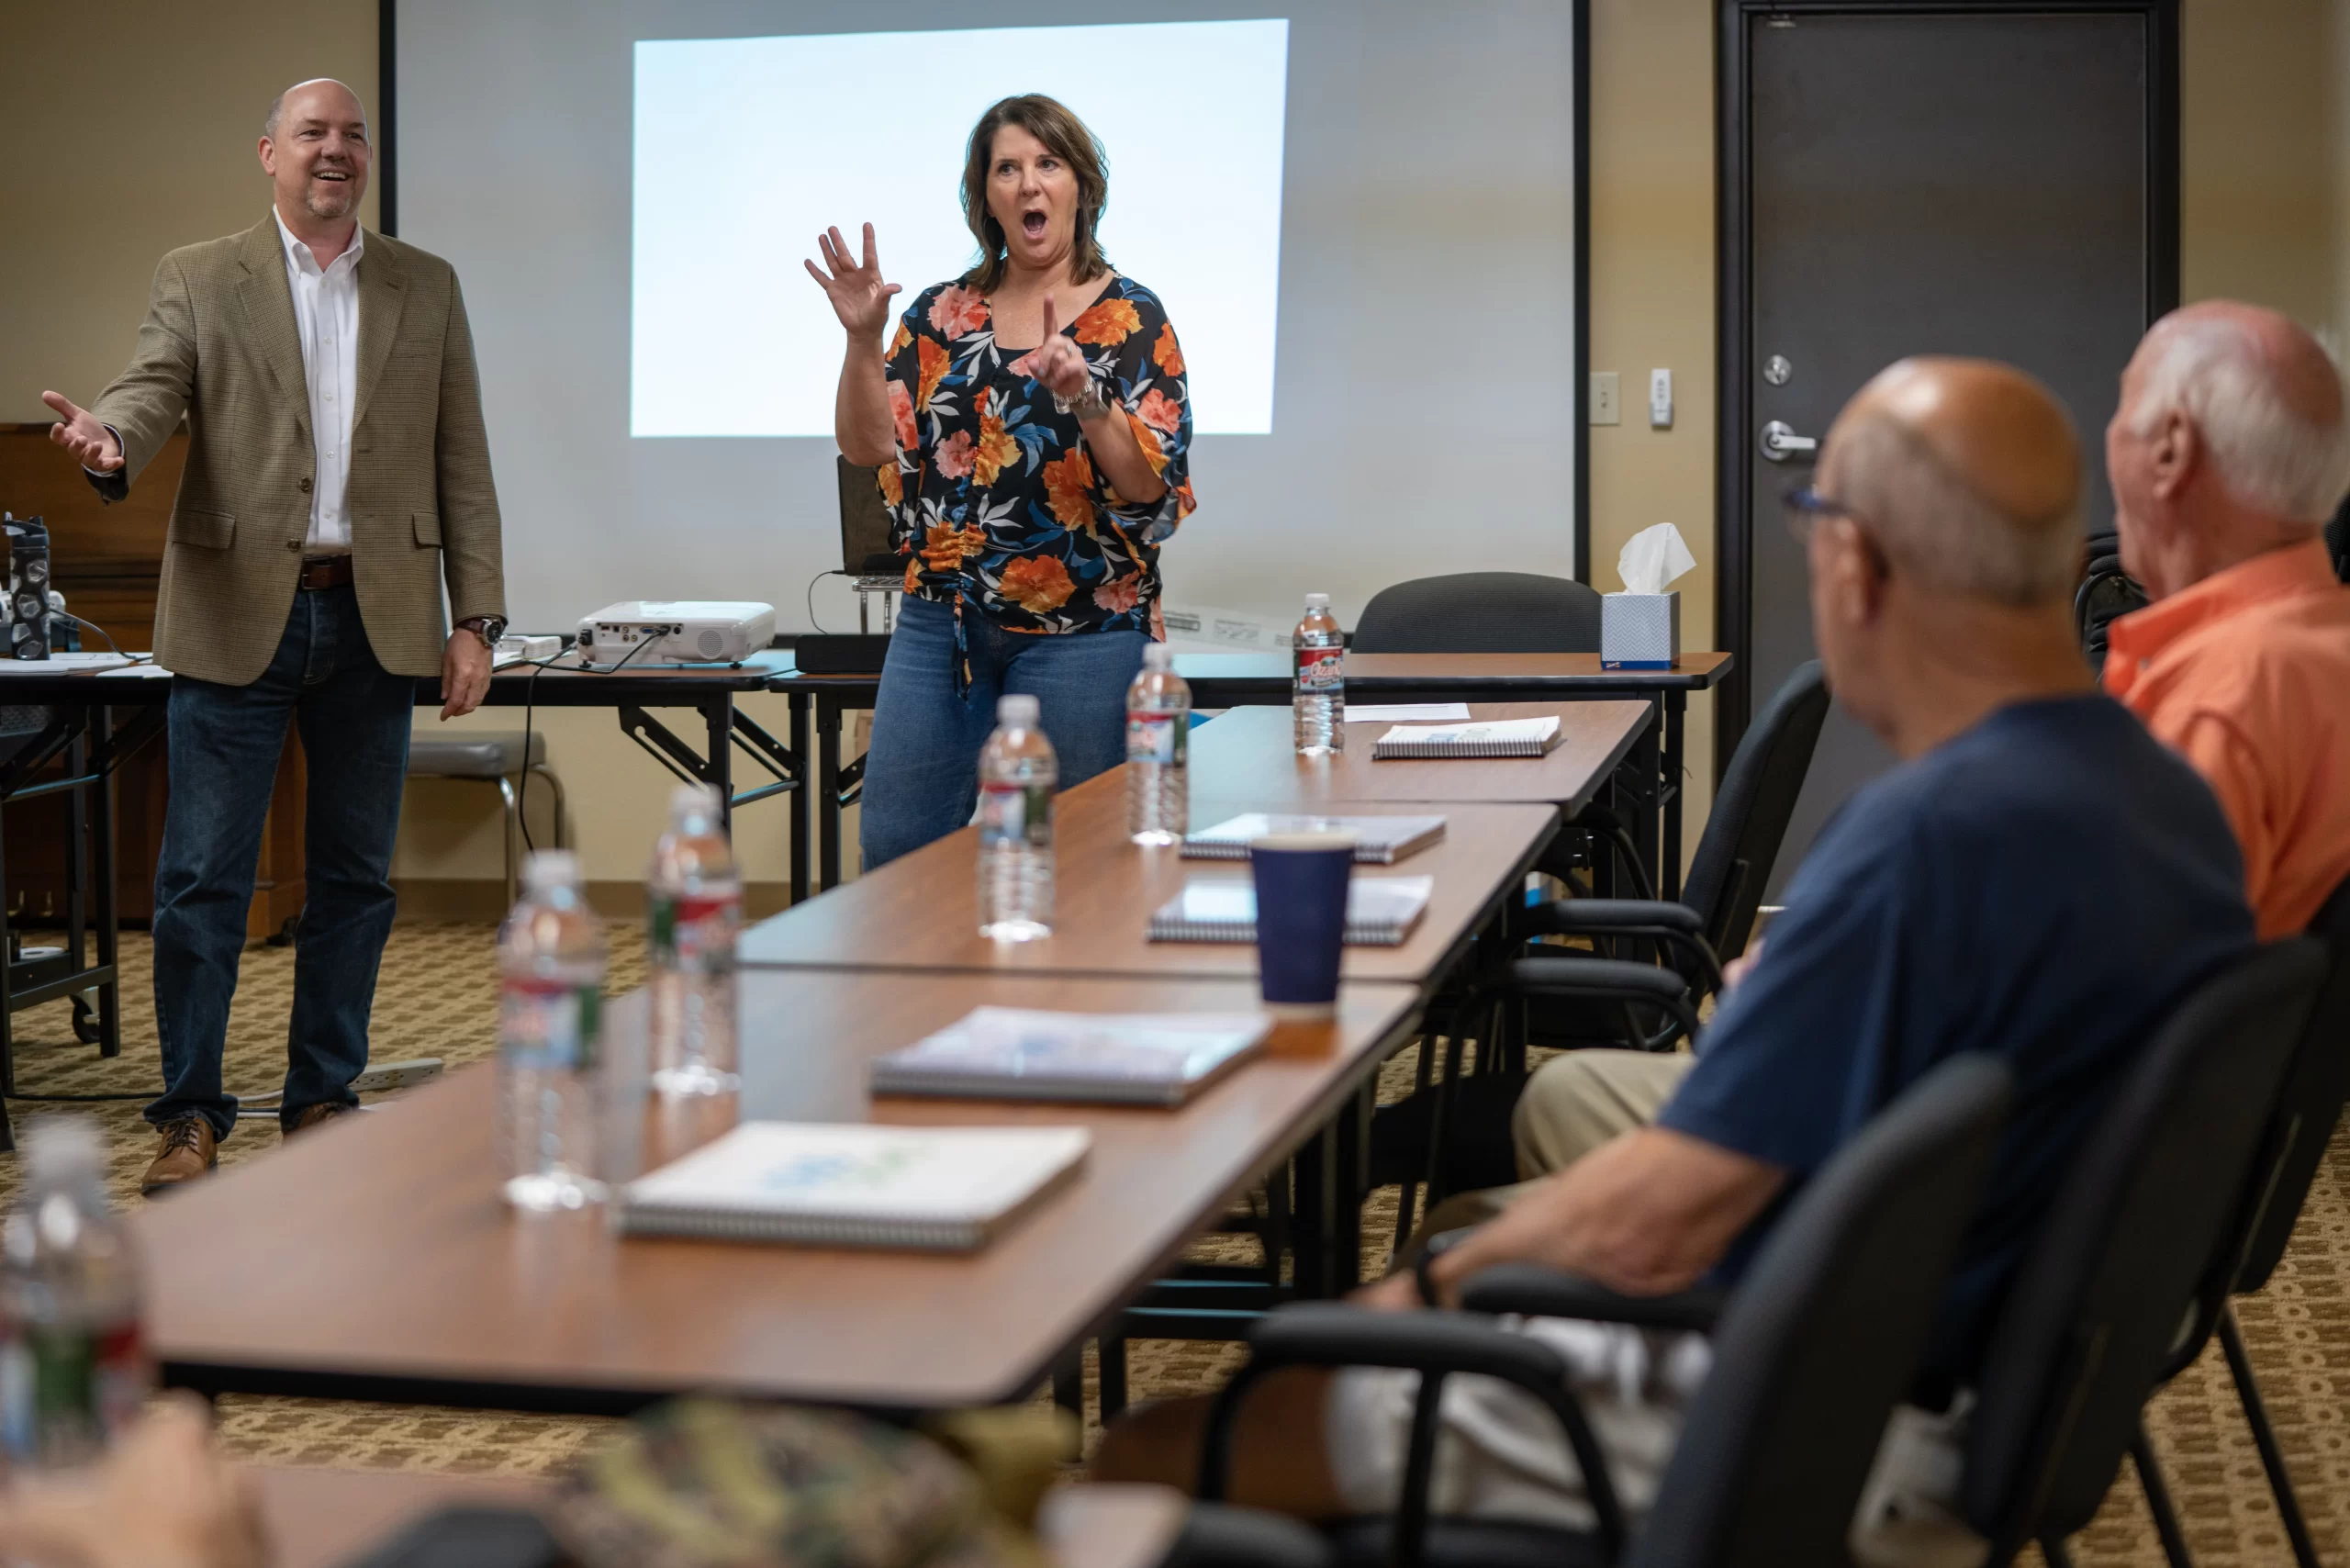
{"x":865,"y":525}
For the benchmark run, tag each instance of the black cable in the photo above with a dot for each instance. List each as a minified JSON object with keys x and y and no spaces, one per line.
{"x":529,"y":717}
{"x":91,"y":625}
{"x":810,"y":596}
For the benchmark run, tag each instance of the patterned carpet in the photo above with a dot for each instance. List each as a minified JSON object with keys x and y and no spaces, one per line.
{"x":436,"y":999}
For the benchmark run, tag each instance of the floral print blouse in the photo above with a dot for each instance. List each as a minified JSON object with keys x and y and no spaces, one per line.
{"x":995,"y":498}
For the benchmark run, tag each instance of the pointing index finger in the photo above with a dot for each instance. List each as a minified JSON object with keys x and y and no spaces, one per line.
{"x":1052,"y":321}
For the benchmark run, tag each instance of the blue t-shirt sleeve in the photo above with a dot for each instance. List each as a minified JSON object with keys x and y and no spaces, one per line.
{"x":1796,"y":1055}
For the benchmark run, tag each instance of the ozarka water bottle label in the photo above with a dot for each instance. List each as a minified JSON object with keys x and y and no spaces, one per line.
{"x":696,"y":929}
{"x":64,"y":1389}
{"x":1321,"y":670}
{"x":550,"y":1025}
{"x":1010,"y":814}
{"x":1157,"y":737}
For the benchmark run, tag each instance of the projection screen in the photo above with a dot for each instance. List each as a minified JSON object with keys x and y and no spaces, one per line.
{"x":1360,"y":215}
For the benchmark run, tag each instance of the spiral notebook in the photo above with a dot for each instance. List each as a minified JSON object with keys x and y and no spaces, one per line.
{"x":1378,"y":841}
{"x":1496,"y":737}
{"x":1009,"y":1053}
{"x":1381,"y":912}
{"x":834,"y":1184}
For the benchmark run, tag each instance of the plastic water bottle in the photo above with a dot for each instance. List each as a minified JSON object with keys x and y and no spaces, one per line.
{"x":550,"y":1062}
{"x":693,"y":909}
{"x":1017,"y":776}
{"x":74,"y":1370}
{"x":1158,"y":743}
{"x":1318,"y":692}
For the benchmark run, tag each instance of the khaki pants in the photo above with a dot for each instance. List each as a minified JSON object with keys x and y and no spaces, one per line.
{"x":1574,"y":1103}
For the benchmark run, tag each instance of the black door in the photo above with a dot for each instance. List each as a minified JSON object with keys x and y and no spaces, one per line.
{"x":1896,"y":179}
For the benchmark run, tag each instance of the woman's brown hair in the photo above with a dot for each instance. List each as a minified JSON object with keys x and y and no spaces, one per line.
{"x":1065,"y":135}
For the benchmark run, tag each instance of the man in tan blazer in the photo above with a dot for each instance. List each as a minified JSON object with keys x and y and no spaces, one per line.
{"x":338,"y":476}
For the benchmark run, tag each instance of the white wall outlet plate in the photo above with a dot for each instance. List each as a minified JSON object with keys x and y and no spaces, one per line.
{"x":1606,"y":405}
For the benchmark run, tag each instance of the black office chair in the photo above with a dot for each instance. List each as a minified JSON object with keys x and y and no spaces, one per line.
{"x":2300,"y":1124}
{"x":1810,"y":1353}
{"x":1582,"y":999}
{"x":2106,"y":593}
{"x":1481,"y":613}
{"x":2088,"y":1323}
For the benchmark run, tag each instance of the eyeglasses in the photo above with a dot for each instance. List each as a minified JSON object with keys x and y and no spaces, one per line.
{"x":1807,"y":506}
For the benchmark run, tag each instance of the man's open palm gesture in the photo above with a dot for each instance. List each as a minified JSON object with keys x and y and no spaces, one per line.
{"x":92,"y":445}
{"x":860,"y":299}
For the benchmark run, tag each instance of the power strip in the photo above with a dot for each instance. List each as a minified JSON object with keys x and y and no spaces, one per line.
{"x":518,"y":650}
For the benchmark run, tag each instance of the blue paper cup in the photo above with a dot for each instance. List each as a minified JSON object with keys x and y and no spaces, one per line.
{"x":1301,"y":919}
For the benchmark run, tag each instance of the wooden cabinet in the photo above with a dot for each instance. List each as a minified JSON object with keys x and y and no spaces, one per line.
{"x":108,"y":561}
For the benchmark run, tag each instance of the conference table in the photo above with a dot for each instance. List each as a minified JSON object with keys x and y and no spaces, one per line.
{"x":1653,"y":769}
{"x":375,"y":1260}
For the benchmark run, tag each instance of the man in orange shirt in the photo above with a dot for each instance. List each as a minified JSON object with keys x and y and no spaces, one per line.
{"x":2229,"y":452}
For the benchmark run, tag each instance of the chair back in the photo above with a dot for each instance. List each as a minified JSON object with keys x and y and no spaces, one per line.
{"x":2101,"y":1295}
{"x":1824,"y":1333}
{"x":2317,"y":1082}
{"x":1751,"y":810}
{"x":1481,"y":613}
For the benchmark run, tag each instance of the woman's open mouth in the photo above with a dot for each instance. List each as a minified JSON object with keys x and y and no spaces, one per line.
{"x":1033,"y":222}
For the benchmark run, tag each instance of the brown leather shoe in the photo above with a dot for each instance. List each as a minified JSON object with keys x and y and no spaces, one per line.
{"x":318,"y":1115}
{"x":189,"y":1152}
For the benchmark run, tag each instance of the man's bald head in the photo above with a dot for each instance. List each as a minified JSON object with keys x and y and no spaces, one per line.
{"x":1970,"y":475}
{"x":333,"y":99}
{"x":2262,"y":395}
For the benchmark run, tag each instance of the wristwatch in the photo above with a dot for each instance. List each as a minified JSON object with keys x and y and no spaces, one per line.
{"x":1087,"y":405}
{"x":488,"y":628}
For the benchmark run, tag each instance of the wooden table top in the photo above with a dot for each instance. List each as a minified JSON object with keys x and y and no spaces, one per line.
{"x":921,"y":912}
{"x":323,"y":1518}
{"x":1265,"y":677}
{"x":375,"y":1259}
{"x":1248,"y":752}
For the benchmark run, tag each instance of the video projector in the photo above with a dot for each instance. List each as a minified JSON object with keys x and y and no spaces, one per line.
{"x":682,"y":632}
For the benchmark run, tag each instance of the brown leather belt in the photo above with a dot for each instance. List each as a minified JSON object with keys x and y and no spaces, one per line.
{"x":325,"y":572}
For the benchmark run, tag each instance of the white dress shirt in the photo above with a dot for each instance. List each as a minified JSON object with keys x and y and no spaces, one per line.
{"x":325,"y":313}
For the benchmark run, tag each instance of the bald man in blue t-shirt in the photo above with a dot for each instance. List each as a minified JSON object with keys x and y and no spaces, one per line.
{"x":2038,"y":879}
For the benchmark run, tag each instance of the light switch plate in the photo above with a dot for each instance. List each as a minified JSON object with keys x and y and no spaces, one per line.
{"x":1660,"y":399}
{"x":1606,"y":405}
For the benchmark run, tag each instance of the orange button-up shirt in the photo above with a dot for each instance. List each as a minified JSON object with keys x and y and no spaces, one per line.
{"x":2247,"y":676}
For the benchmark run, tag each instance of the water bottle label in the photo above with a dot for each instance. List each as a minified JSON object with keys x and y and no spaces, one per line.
{"x":65,"y":1390}
{"x":1016,"y":813}
{"x":550,"y":1025}
{"x":1321,"y":671}
{"x":694,"y":930}
{"x":1157,"y":738}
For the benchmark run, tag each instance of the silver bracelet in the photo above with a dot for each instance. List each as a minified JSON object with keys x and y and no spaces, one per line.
{"x":1087,"y":405}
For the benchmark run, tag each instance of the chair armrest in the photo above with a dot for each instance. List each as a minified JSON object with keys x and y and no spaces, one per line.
{"x":1575,"y":917}
{"x":1435,"y":1345}
{"x":1594,"y":977}
{"x":1537,"y":1292}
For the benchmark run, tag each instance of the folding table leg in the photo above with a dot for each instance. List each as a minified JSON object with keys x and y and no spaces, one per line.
{"x":1068,"y":1383}
{"x":1113,"y":1354}
{"x":2150,"y":1478}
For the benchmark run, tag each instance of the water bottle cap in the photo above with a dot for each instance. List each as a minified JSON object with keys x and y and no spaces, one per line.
{"x":1017,"y":711}
{"x":1157,"y":655}
{"x":56,"y":1146}
{"x":551,"y":869}
{"x":694,"y":801}
{"x":1317,"y":602}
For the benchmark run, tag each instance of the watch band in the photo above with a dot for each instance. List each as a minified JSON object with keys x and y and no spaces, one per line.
{"x":1087,"y":405}
{"x":488,"y":628}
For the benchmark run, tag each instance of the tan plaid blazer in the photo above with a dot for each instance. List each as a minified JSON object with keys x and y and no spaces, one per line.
{"x":219,"y":345}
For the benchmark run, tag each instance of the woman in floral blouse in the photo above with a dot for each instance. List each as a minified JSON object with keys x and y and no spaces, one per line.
{"x":1032,"y":470}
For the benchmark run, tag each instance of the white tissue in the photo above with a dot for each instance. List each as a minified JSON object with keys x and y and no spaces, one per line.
{"x":1654,"y":557}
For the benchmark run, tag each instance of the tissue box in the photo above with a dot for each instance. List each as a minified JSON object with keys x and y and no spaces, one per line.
{"x":1639,"y":630}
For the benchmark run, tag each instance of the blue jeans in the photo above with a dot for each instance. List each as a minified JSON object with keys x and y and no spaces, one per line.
{"x":225,"y":741}
{"x":922,"y":773}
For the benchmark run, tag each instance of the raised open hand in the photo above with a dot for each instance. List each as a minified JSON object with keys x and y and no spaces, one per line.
{"x":92,"y":445}
{"x":1057,"y":362}
{"x":860,"y":297}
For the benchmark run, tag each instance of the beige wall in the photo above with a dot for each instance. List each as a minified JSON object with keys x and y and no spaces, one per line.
{"x":131,"y":129}
{"x":2265,"y":214}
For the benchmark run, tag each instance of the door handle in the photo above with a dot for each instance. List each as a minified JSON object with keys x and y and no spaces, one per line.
{"x":1781,"y":443}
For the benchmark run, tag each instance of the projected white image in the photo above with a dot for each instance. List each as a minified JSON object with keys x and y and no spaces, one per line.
{"x":745,"y":148}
